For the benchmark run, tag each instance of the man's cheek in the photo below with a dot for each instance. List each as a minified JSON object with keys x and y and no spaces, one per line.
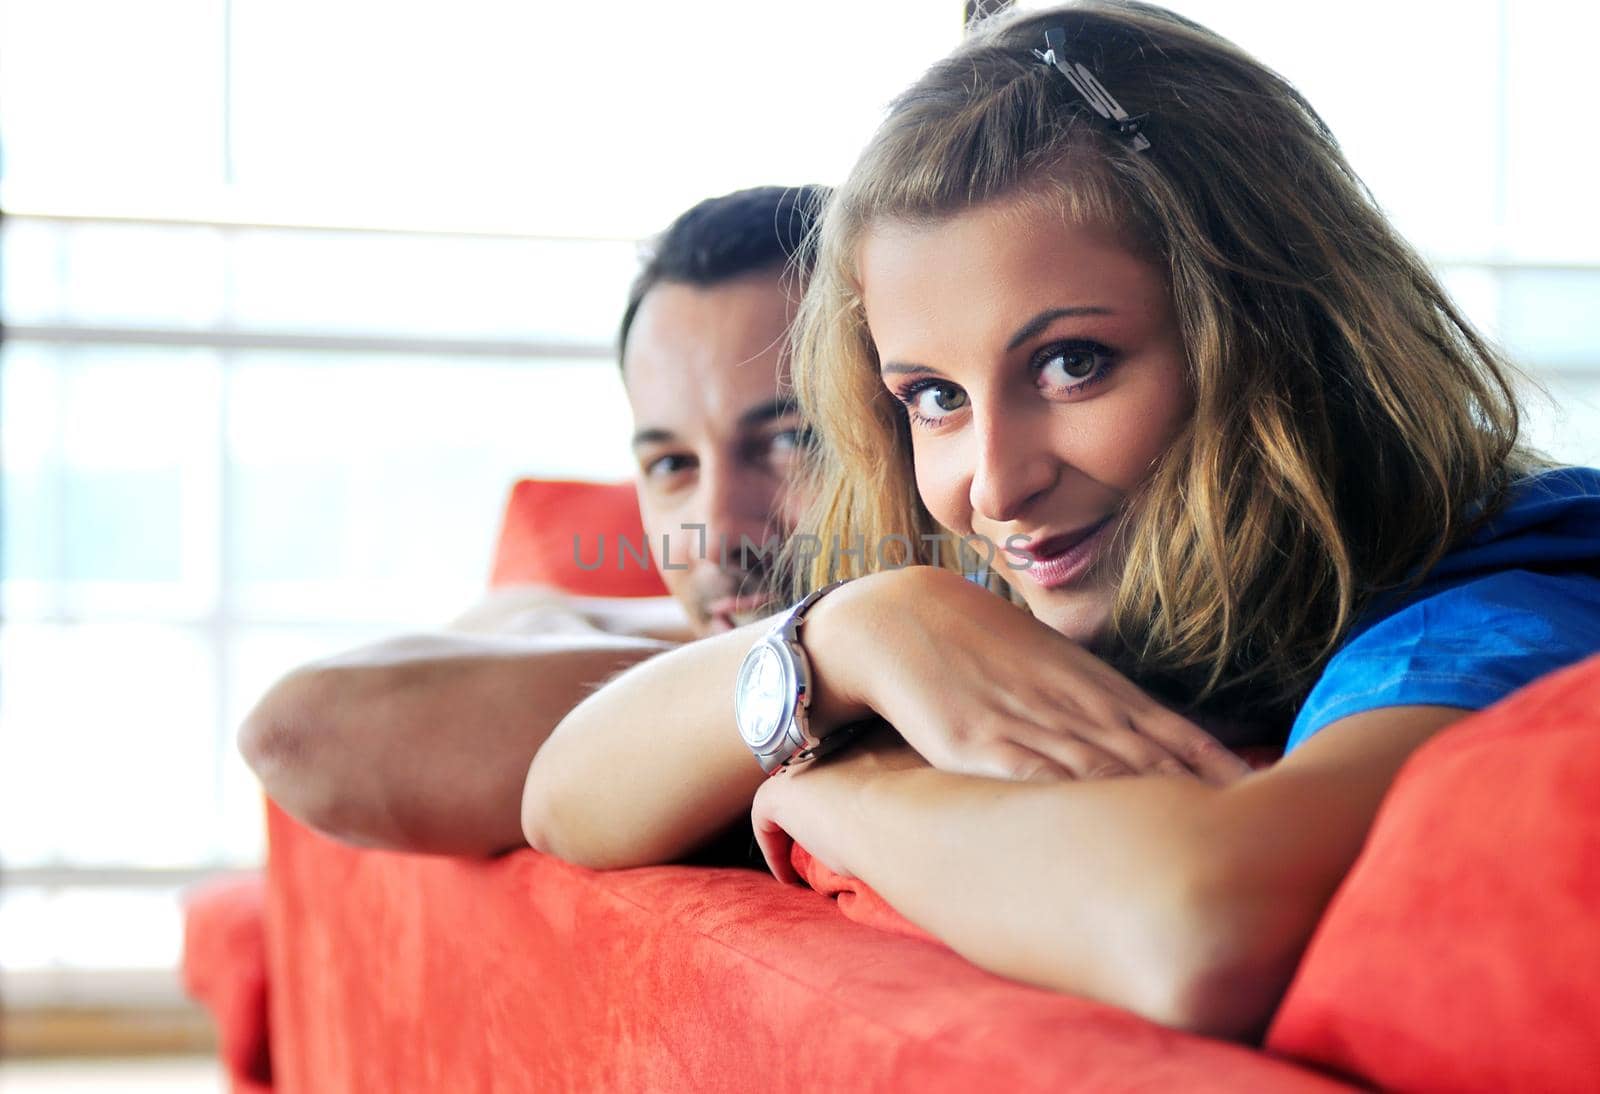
{"x":677,"y":583}
{"x":791,"y":508}
{"x":667,"y":550}
{"x":661,"y":532}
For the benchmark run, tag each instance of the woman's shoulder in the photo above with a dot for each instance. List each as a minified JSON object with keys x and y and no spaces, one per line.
{"x":1467,"y":645}
{"x":1547,"y":520}
{"x":1519,"y":598}
{"x":1551,"y":494}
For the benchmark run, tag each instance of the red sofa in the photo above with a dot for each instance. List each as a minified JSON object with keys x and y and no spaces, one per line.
{"x":1462,"y":953}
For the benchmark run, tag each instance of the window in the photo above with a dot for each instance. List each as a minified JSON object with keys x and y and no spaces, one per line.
{"x":295,"y":291}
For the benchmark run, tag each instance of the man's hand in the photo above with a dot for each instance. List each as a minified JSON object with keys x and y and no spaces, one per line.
{"x":522,"y":609}
{"x":539,"y":609}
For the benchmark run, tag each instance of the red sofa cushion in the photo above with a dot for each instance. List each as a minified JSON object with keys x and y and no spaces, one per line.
{"x":225,"y":968}
{"x":224,"y":957}
{"x":410,"y":972}
{"x":1463,"y":951}
{"x":854,"y":897}
{"x":542,"y":519}
{"x":418,"y":973}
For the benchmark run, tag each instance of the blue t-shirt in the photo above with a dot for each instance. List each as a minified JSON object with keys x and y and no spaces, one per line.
{"x":1520,"y":598}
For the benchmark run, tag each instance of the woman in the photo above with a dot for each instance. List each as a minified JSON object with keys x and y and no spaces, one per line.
{"x":1103,"y":299}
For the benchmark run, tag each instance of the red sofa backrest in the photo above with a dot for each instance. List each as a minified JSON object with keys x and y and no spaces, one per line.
{"x":1463,"y":951}
{"x":554,"y":532}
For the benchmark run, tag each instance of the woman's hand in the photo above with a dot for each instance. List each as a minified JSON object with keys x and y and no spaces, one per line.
{"x":980,"y":687}
{"x":814,"y":805}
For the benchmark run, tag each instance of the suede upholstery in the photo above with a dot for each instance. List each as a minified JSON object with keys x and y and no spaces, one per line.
{"x":1464,"y":936}
{"x":1463,"y":951}
{"x":405,"y":972}
{"x":225,"y":969}
{"x":580,"y":537}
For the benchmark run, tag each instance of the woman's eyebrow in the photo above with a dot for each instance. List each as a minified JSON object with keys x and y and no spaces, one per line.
{"x":1045,"y":318}
{"x":1024,"y":332}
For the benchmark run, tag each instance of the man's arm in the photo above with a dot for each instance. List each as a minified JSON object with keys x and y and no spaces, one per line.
{"x":1187,"y":903}
{"x":422,"y":743}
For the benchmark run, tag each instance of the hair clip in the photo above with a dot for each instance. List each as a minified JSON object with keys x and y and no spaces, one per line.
{"x":1093,"y":91}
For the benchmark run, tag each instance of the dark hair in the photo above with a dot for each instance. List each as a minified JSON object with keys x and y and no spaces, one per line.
{"x":765,"y":227}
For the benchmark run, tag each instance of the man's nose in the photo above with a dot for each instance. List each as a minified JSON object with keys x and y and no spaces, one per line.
{"x":739,"y":511}
{"x":1013,"y":464}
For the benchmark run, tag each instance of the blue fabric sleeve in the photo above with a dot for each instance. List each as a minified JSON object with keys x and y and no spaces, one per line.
{"x":1466,"y":646}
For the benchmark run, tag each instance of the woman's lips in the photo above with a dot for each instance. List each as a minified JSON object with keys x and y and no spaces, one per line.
{"x":1061,"y":560}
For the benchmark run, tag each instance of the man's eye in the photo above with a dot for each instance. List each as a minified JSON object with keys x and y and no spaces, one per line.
{"x":788,"y":440}
{"x":665,"y":466}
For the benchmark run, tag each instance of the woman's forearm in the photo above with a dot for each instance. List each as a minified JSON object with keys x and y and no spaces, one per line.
{"x":648,"y":767}
{"x":1089,"y":887}
{"x":652,"y":765}
{"x":1188,"y":903}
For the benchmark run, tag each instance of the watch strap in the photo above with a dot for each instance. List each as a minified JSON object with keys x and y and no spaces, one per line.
{"x":833,"y":742}
{"x":789,"y":625}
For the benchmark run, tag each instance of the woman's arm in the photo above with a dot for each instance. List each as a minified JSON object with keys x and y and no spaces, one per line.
{"x":421,"y":743}
{"x":648,"y":768}
{"x":1187,"y":903}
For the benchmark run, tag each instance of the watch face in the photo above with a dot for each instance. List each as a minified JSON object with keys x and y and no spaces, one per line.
{"x":762,"y":695}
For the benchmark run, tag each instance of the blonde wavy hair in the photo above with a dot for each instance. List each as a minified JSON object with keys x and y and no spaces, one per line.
{"x":1349,"y":425}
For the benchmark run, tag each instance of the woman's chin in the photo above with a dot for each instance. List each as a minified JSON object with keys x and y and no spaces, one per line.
{"x":1083,"y":615}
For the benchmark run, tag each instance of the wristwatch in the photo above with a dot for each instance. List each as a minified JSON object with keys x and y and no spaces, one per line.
{"x":773,"y":692}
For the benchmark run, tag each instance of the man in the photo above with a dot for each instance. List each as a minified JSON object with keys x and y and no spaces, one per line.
{"x":422,"y":743}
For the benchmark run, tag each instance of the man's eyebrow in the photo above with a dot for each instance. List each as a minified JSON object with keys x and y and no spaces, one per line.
{"x":772,"y":409}
{"x":1028,"y":330}
{"x":653,"y":436}
{"x":761,"y":413}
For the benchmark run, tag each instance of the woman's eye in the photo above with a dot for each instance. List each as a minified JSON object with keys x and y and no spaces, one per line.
{"x":1072,"y":365}
{"x":931,"y":401}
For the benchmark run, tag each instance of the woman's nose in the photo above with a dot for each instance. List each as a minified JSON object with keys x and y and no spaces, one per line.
{"x":1014,"y":466}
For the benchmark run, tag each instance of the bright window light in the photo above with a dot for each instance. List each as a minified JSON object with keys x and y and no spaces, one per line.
{"x":296,"y":290}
